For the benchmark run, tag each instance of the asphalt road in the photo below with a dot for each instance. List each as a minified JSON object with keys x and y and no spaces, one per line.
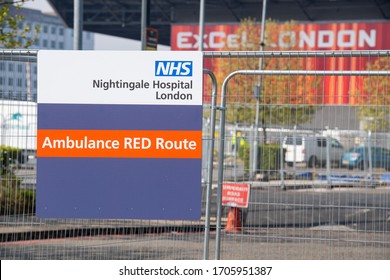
{"x":360,"y":209}
{"x":357,"y":205}
{"x":304,"y":222}
{"x":319,"y":223}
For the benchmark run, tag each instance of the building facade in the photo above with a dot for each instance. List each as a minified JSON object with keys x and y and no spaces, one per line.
{"x":18,"y":80}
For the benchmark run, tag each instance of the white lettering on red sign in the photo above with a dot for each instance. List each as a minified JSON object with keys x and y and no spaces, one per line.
{"x":235,"y":194}
{"x":286,"y":39}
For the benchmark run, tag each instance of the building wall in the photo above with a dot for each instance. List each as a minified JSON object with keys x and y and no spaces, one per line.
{"x":18,"y":80}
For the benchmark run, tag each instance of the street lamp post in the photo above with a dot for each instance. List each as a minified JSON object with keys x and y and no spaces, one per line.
{"x":78,"y":24}
{"x":257,"y":95}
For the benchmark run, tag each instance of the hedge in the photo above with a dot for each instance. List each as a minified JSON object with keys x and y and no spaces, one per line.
{"x":8,"y":156}
{"x":16,"y":201}
{"x":268,"y":157}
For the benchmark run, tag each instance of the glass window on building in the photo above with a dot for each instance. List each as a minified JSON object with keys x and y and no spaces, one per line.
{"x":61,"y":31}
{"x":53,"y":44}
{"x":10,"y":67}
{"x":20,"y":82}
{"x":10,"y":81}
{"x":45,"y":43}
{"x":61,"y":45}
{"x":20,"y":68}
{"x":37,"y":42}
{"x":2,"y":66}
{"x":53,"y":30}
{"x":45,"y":29}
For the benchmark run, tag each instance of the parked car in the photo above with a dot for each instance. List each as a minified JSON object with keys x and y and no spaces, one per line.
{"x":311,"y":150}
{"x":358,"y":157}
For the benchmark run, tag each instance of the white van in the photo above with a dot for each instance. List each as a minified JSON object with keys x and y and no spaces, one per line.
{"x":311,"y":150}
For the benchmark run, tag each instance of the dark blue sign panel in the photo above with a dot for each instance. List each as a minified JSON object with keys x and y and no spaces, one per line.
{"x":121,"y":141}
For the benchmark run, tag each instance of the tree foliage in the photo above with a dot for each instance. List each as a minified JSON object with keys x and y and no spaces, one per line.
{"x":8,"y":157}
{"x":374,"y":109}
{"x":13,"y":33}
{"x":284,"y":100}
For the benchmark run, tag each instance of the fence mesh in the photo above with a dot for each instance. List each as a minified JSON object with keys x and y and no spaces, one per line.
{"x":311,"y":138}
{"x":313,"y":146}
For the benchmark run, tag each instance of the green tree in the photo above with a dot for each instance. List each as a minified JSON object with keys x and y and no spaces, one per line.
{"x":8,"y":156}
{"x":13,"y":33}
{"x":374,"y":109}
{"x":284,"y":100}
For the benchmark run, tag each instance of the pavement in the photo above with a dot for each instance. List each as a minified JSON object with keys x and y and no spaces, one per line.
{"x":62,"y":238}
{"x":28,"y":227}
{"x":326,"y":243}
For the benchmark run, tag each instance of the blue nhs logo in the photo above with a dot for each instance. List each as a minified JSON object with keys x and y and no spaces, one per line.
{"x":173,"y":68}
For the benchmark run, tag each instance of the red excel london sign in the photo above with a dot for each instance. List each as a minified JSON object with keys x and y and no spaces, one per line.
{"x":235,"y":194}
{"x":341,"y":36}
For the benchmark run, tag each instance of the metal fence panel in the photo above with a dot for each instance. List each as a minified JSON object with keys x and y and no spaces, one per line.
{"x":24,"y":236}
{"x":296,"y":211}
{"x":317,"y":165}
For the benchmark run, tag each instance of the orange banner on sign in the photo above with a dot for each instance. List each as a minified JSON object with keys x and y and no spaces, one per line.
{"x":119,"y":143}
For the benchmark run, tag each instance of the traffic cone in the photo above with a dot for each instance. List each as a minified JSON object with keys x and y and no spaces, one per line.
{"x":234,"y":220}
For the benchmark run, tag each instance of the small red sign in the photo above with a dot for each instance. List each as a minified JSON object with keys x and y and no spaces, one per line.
{"x":235,"y":194}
